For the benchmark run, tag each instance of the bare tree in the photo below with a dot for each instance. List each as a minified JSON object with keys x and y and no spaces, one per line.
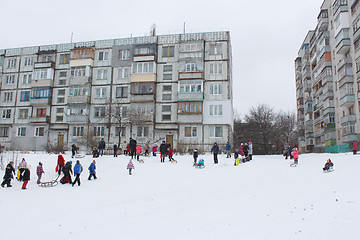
{"x":89,"y":139}
{"x":285,"y":129}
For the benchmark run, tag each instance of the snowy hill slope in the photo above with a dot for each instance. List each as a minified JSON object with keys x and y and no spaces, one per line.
{"x":261,"y":199}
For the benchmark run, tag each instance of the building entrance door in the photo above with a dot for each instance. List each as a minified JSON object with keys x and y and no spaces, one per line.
{"x":170,"y":138}
{"x":61,"y":139}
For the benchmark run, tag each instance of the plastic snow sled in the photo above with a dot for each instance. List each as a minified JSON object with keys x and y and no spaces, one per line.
{"x":196,"y":165}
{"x":293,"y":165}
{"x":330,"y":169}
{"x":173,"y":161}
{"x":52,"y":183}
{"x":80,"y":155}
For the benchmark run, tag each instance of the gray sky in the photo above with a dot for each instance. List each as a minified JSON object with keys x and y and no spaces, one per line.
{"x":266,"y":35}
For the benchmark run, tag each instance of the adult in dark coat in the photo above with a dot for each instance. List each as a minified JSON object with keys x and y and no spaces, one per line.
{"x":215,"y":151}
{"x":73,"y":150}
{"x":26,"y":177}
{"x":9,"y":171}
{"x":67,"y":170}
{"x":101,"y":146}
{"x":163,"y":150}
{"x":133,"y":144}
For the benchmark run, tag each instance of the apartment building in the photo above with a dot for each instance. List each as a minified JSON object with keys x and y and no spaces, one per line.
{"x":170,"y":87}
{"x":327,"y":74}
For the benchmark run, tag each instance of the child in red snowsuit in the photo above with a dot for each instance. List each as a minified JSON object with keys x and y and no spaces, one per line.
{"x":154,"y":150}
{"x":171,"y":153}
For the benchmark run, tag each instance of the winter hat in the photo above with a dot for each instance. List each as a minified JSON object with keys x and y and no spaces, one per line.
{"x":195,"y":150}
{"x":77,"y":161}
{"x":23,"y":160}
{"x":40,"y":163}
{"x":70,"y":162}
{"x":114,"y":143}
{"x":94,"y":161}
{"x":250,"y":142}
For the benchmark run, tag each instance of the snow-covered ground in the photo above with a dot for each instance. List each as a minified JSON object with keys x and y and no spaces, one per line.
{"x":261,"y":199}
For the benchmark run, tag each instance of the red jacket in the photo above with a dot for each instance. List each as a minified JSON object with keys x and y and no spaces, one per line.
{"x":61,"y":160}
{"x":171,"y":152}
{"x":296,"y":153}
{"x":355,"y":146}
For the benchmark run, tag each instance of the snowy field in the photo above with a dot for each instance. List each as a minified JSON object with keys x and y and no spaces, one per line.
{"x":261,"y":199}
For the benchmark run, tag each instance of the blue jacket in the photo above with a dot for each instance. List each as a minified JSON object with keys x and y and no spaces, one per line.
{"x":92,"y":168}
{"x":78,"y":168}
{"x":215,"y":149}
{"x":228,"y":147}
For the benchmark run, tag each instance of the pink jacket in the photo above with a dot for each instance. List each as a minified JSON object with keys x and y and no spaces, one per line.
{"x":138,"y":149}
{"x":130,"y":165}
{"x":296,"y":153}
{"x":355,"y":146}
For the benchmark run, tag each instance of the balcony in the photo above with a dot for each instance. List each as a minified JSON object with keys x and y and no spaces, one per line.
{"x":190,"y":96}
{"x":78,"y":99}
{"x":328,"y":110}
{"x":80,"y":80}
{"x":350,"y":138}
{"x":348,"y":118}
{"x":328,"y":94}
{"x":42,"y":83}
{"x":347,"y":100}
{"x":358,"y":95}
{"x":40,"y":101}
{"x":44,"y":119}
{"x":77,"y":118}
{"x":344,"y":46}
{"x":49,"y":64}
{"x":323,"y":20}
{"x":142,"y":97}
{"x":346,"y":79}
{"x":319,"y":132}
{"x":191,"y":75}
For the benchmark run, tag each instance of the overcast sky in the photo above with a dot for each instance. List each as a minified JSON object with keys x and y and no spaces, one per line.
{"x":266,"y":35}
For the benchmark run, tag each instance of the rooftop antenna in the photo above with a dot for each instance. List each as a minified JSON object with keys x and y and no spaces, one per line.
{"x":184,"y":27}
{"x":153,"y":30}
{"x":71,"y":37}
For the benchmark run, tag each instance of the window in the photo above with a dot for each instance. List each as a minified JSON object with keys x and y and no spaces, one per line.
{"x":4,"y":131}
{"x":39,"y":131}
{"x":142,"y":131}
{"x":167,"y":88}
{"x":215,"y":89}
{"x":8,"y":96}
{"x":59,"y":110}
{"x":46,"y":58}
{"x":168,"y":51}
{"x":24,"y":96}
{"x":103,"y":56}
{"x":215,"y":110}
{"x":190,"y":131}
{"x":41,"y":74}
{"x":189,"y":107}
{"x":143,"y":67}
{"x":190,"y":86}
{"x":41,"y":112}
{"x":121,"y":111}
{"x":190,"y":67}
{"x":64,"y":59}
{"x":123,"y":131}
{"x":144,"y":51}
{"x":124,"y":54}
{"x":11,"y":63}
{"x":100,"y":92}
{"x":167,"y":76}
{"x":10,"y":79}
{"x":166,"y":96}
{"x":28,"y":61}
{"x":59,"y":118}
{"x":122,"y":92}
{"x":21,"y":132}
{"x":216,"y":68}
{"x":78,"y":71}
{"x":166,"y":117}
{"x":99,"y":131}
{"x":166,"y":108}
{"x":62,"y":82}
{"x":78,"y":90}
{"x":167,"y":68}
{"x":81,"y":53}
{"x":78,"y":109}
{"x":216,"y":132}
{"x":191,"y":47}
{"x":62,"y":74}
{"x":124,"y":73}
{"x":23,"y":113}
{"x":142,"y":88}
{"x":61,"y":92}
{"x":215,"y":48}
{"x":6,"y":113}
{"x":102,"y":74}
{"x":78,"y":131}
{"x":99,"y":112}
{"x":26,"y":78}
{"x":60,"y":100}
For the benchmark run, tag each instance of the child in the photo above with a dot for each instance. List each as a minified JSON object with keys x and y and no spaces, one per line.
{"x":77,"y":171}
{"x":39,"y":172}
{"x":22,"y":167}
{"x":296,"y":156}
{"x":128,"y":149}
{"x":8,"y":174}
{"x":95,"y":152}
{"x":138,"y":151}
{"x":171,"y":153}
{"x":236,"y":156}
{"x":201,"y":162}
{"x":92,"y":170}
{"x":154,"y":150}
{"x":115,"y":150}
{"x":26,"y":176}
{"x":61,"y":164}
{"x":195,"y":155}
{"x":130,"y":166}
{"x":328,"y":165}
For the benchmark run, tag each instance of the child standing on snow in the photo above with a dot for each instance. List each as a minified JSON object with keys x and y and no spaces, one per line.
{"x":154,"y":150}
{"x":236,"y":156}
{"x":26,"y":176}
{"x":296,"y":155}
{"x":138,"y":151}
{"x":92,"y":170}
{"x":77,"y":171}
{"x":195,"y":155}
{"x":39,"y":172}
{"x":130,"y":166}
{"x":171,"y":153}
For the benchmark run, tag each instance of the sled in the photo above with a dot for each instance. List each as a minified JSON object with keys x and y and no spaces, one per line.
{"x":52,"y":183}
{"x":173,"y":161}
{"x":196,"y":165}
{"x":18,"y":175}
{"x":237,"y":161}
{"x":293,"y":165}
{"x":80,"y":155}
{"x":141,"y":161}
{"x":330,"y":169}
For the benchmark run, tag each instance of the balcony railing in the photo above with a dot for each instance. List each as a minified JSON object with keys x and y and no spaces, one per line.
{"x":348,"y":118}
{"x":347,"y":100}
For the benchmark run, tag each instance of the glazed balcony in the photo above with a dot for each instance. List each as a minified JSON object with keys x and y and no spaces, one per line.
{"x":190,"y":96}
{"x":323,"y":20}
{"x":351,"y":137}
{"x":347,"y":100}
{"x":343,"y":42}
{"x":348,"y":118}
